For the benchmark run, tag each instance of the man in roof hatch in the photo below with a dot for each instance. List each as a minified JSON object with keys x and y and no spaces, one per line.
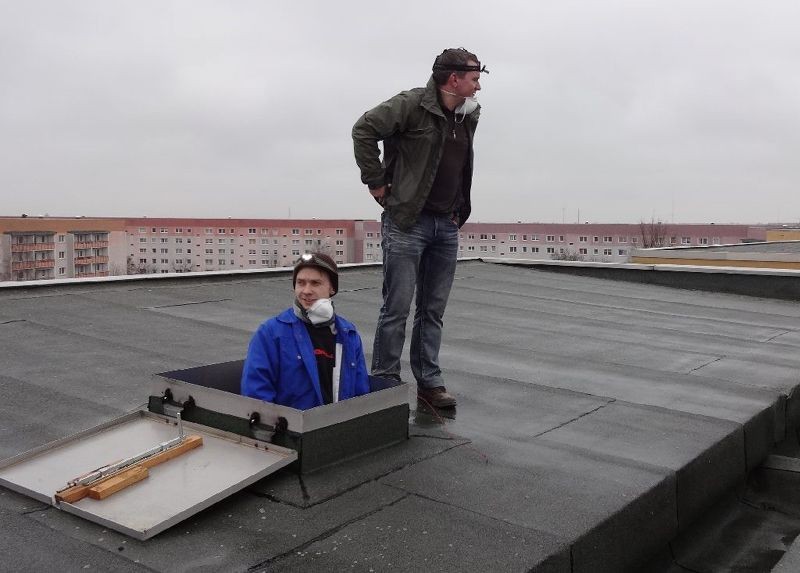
{"x":307,"y":356}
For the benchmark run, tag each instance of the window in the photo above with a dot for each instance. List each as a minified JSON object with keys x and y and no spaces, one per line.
{"x":152,"y":239}
{"x":524,"y":249}
{"x":179,"y":240}
{"x":686,"y":240}
{"x":178,"y":251}
{"x":512,"y":249}
{"x":164,"y":261}
{"x":471,"y":247}
{"x":251,"y":241}
{"x":265,"y":241}
{"x":551,"y":250}
{"x":484,"y":248}
{"x":164,"y":240}
{"x":607,"y":251}
{"x":295,"y":241}
{"x":251,"y":261}
{"x":164,"y":251}
{"x":534,"y":249}
{"x":220,"y":241}
{"x":339,"y":253}
{"x":142,"y":261}
{"x":596,"y":251}
{"x":583,"y":251}
{"x":608,"y":239}
{"x":209,"y":262}
{"x":295,"y":231}
{"x":535,"y":238}
{"x":596,"y":240}
{"x":551,"y":239}
{"x":209,"y":251}
{"x":623,"y":239}
{"x":340,"y":231}
{"x":494,"y":237}
{"x":265,"y":252}
{"x":61,"y":270}
{"x":251,"y":252}
{"x":471,"y":236}
{"x":209,"y":231}
{"x":188,"y":250}
{"x":163,"y":229}
{"x":309,"y":231}
{"x":339,"y":242}
{"x":561,"y":238}
{"x":178,"y":261}
{"x":583,"y":239}
{"x":142,"y":239}
{"x":296,"y":252}
{"x":622,"y":252}
{"x":703,"y":240}
{"x":715,"y":240}
{"x":251,"y":231}
{"x":209,"y":241}
{"x":634,"y":240}
{"x":484,"y":236}
{"x":309,"y":242}
{"x":178,"y":230}
{"x":512,"y":237}
{"x":220,"y":231}
{"x":370,"y":235}
{"x":222,"y":252}
{"x":142,"y":250}
{"x":142,"y":229}
{"x":221,"y":262}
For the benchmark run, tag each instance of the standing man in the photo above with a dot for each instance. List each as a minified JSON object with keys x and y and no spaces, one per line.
{"x":423,"y":184}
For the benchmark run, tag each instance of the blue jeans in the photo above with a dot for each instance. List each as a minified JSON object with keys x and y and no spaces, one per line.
{"x":423,"y":257}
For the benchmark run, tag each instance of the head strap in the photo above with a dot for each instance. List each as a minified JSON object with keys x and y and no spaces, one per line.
{"x":437,"y":67}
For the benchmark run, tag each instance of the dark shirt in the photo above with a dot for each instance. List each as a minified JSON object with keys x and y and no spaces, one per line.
{"x":324,"y":343}
{"x":446,"y":194}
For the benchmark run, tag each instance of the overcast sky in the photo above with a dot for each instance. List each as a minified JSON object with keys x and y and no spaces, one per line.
{"x":607,"y":111}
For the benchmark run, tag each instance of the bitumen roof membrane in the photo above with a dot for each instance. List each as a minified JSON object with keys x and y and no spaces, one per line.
{"x":596,"y":420}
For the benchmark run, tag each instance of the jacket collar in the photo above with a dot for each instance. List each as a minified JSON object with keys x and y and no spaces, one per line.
{"x":430,"y":98}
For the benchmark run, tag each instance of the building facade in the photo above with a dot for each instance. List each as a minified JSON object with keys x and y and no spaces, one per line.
{"x":36,"y":248}
{"x":51,"y":247}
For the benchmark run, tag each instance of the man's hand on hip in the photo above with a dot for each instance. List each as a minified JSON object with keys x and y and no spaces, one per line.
{"x":380,"y":194}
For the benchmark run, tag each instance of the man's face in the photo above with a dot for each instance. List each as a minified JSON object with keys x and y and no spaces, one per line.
{"x":311,"y":285}
{"x":470,"y":84}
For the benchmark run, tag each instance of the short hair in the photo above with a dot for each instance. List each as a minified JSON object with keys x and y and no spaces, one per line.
{"x":449,"y":61}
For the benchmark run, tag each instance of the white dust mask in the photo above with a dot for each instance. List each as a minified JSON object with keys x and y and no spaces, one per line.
{"x":469,"y":105}
{"x":321,"y":311}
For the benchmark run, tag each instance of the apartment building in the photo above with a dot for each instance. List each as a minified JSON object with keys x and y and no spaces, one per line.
{"x":582,"y":242}
{"x":36,"y":248}
{"x":51,"y":247}
{"x":192,"y":245}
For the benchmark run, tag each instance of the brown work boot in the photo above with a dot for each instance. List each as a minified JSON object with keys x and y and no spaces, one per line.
{"x":437,"y":397}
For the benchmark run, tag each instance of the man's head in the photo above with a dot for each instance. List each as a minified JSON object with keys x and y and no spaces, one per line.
{"x":315,"y":276}
{"x":457,"y":62}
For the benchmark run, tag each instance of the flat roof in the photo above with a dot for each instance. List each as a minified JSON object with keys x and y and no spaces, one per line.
{"x":596,"y":419}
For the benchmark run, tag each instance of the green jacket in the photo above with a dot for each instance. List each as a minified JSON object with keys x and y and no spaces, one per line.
{"x":413,"y":129}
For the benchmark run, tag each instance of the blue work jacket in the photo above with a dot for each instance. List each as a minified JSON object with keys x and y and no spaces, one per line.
{"x":281,"y":367}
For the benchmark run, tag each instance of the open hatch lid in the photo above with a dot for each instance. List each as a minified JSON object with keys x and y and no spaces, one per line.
{"x":174,"y":490}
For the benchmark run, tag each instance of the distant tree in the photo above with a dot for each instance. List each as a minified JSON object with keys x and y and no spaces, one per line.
{"x":654,"y":234}
{"x":567,"y":255}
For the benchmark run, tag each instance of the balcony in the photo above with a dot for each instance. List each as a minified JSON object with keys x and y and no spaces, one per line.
{"x":82,"y":261}
{"x":30,"y":247}
{"x":89,"y":275}
{"x":27,"y":265}
{"x":91,"y":245}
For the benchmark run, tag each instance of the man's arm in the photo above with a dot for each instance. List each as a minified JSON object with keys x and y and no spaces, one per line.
{"x":377,"y":124}
{"x":261,"y":367}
